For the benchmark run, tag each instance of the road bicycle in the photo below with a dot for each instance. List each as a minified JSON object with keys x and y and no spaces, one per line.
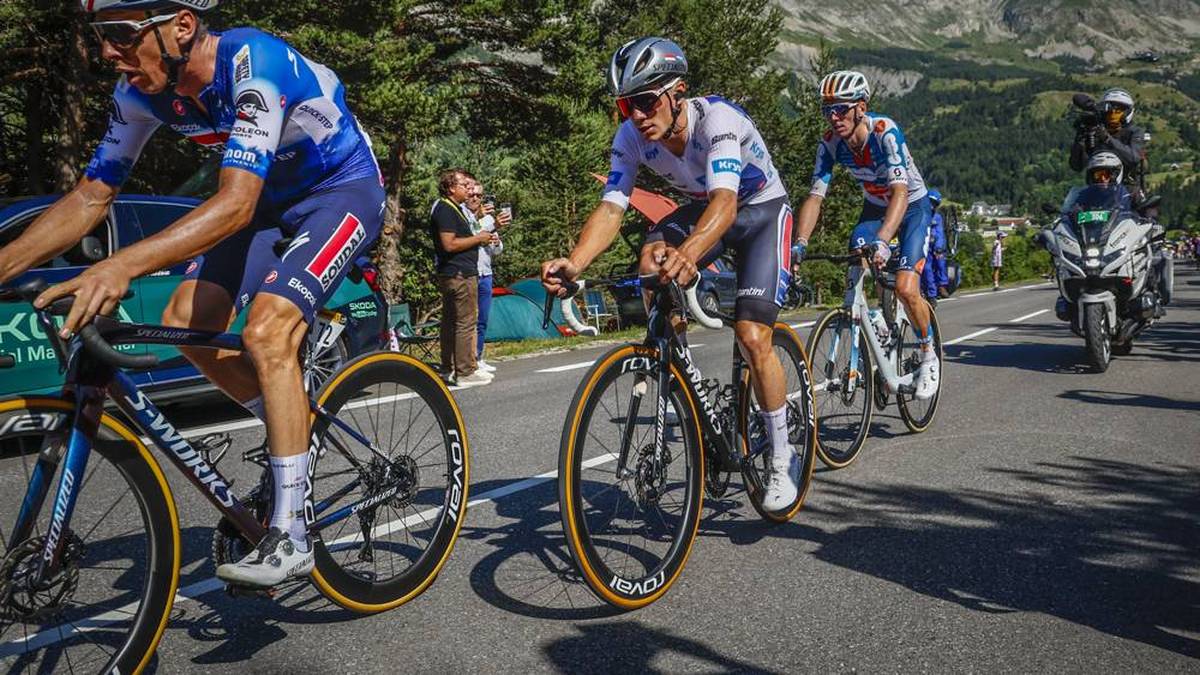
{"x":647,"y":437}
{"x":863,"y":355}
{"x":91,"y":532}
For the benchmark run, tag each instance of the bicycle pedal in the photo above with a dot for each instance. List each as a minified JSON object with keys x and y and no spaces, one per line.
{"x":238,"y":591}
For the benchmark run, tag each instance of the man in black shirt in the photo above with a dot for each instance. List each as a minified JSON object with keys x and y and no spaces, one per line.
{"x":456,"y":250}
{"x":1118,"y":136}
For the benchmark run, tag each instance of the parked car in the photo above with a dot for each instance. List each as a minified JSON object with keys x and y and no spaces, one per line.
{"x":357,"y":311}
{"x":717,"y":292}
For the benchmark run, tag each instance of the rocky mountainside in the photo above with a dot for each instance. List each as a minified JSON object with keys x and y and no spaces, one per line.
{"x":1093,"y":30}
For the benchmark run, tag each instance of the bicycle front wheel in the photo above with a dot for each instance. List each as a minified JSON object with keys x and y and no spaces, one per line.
{"x":918,"y":414}
{"x":390,"y":477}
{"x":107,"y":607}
{"x":801,"y":420}
{"x":844,"y":389}
{"x":630,"y":513}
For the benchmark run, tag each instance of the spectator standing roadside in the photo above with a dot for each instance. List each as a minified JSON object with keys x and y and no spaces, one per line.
{"x":456,"y":260}
{"x":934,"y":277}
{"x":997,"y":259}
{"x":484,"y":218}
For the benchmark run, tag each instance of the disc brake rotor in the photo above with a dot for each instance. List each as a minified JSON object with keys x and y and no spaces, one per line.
{"x":27,"y":602}
{"x":650,"y":476}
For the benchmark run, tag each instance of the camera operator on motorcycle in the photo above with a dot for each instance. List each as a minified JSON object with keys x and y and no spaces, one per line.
{"x":1109,"y":128}
{"x":708,"y":148}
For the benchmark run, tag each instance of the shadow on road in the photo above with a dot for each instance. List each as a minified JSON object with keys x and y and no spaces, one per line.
{"x":1116,"y":553}
{"x":631,"y":647}
{"x":1120,"y":398}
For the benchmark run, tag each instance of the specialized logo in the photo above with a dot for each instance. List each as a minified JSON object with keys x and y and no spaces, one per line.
{"x":336,"y":252}
{"x":242,"y":70}
{"x":162,"y":333}
{"x":165,"y":434}
{"x":114,"y":112}
{"x":249,"y":104}
{"x":300,"y":240}
{"x":60,"y":513}
{"x":695,"y":377}
{"x":728,"y":165}
{"x":33,"y":422}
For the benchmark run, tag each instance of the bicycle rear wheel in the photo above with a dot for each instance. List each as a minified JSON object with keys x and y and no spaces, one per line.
{"x":107,"y":608}
{"x":630,"y":534}
{"x":802,"y":429}
{"x":843,"y":390}
{"x":918,"y":414}
{"x":403,"y":496}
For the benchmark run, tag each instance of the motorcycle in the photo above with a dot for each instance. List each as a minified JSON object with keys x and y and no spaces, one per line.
{"x":1113,"y":280}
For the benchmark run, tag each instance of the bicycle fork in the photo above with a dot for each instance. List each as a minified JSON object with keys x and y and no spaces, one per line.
{"x":640,"y":388}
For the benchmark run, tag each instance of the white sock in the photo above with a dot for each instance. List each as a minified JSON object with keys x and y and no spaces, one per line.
{"x":290,"y":476}
{"x":928,"y":355}
{"x":255,"y":406}
{"x":776,"y":423}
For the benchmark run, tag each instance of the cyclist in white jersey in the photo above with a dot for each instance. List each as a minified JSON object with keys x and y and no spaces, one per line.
{"x":709,"y":149}
{"x":896,"y":202}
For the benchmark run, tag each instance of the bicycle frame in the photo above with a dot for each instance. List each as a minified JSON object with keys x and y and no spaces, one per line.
{"x":885,"y":358}
{"x":89,"y":382}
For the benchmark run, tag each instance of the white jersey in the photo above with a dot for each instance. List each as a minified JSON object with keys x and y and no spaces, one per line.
{"x":724,"y":150}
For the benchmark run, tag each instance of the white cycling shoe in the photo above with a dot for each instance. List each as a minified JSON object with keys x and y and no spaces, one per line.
{"x":928,"y":378}
{"x":783,"y":483}
{"x":275,"y":560}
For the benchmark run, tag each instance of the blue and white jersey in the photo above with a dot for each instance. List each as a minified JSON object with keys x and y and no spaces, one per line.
{"x":724,"y":150}
{"x":270,"y":110}
{"x":885,"y":161}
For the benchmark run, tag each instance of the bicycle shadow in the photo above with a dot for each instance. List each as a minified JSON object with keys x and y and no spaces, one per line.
{"x":632,"y":647}
{"x":1120,"y":398}
{"x":1114,"y":549}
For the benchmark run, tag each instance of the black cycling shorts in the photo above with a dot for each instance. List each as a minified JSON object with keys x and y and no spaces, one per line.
{"x":761,"y":235}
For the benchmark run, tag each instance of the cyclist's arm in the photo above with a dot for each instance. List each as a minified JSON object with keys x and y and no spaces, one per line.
{"x":897,"y":205}
{"x":226,"y":212}
{"x":821,"y":177}
{"x":716,"y":220}
{"x":59,"y":228}
{"x":598,"y":234}
{"x":810,"y":211}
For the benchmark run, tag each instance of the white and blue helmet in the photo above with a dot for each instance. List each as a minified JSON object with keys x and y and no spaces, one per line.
{"x":147,"y":5}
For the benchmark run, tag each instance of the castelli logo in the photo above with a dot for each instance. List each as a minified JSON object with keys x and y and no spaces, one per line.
{"x":192,"y":267}
{"x":272,"y":276}
{"x":178,"y":106}
{"x":282,"y":101}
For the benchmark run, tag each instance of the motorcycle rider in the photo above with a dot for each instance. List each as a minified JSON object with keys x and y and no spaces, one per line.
{"x":1115,"y":134}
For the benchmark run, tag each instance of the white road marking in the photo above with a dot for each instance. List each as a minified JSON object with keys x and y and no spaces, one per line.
{"x":968,"y":336}
{"x":569,"y":366}
{"x":1019,"y":319}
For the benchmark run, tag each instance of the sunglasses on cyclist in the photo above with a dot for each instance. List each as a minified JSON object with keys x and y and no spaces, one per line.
{"x":125,"y":33}
{"x":1102,"y":176}
{"x":836,"y":109}
{"x":645,"y":102}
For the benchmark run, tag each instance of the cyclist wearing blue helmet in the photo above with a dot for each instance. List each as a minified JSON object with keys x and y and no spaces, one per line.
{"x":934,"y":278}
{"x":294,"y":162}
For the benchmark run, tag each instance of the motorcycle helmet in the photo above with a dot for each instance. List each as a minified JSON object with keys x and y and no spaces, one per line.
{"x":1104,"y":167}
{"x":1117,"y":107}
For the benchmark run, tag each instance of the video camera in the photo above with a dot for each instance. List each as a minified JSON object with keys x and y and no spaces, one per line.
{"x":1089,"y":115}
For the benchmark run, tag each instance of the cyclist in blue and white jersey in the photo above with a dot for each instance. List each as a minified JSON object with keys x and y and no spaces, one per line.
{"x":294,"y":163}
{"x":873,"y":149}
{"x":710,"y":150}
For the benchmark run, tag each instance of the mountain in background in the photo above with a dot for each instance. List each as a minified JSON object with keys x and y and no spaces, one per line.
{"x":982,"y":88}
{"x":1094,"y":31}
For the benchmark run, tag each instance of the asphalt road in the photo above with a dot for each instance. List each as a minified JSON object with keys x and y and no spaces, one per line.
{"x":1049,"y":520}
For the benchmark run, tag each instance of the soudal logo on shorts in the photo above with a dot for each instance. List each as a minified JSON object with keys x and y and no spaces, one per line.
{"x":336,"y":252}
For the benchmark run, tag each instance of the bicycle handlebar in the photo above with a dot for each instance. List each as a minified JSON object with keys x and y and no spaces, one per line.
{"x":91,"y":338}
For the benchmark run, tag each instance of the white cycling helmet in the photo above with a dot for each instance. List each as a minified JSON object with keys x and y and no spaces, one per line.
{"x":844,"y":85}
{"x":1118,"y":100}
{"x":1104,"y":161}
{"x":148,"y":5}
{"x":645,"y":64}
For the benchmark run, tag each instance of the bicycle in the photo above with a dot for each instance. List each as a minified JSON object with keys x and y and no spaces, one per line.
{"x":874,"y":352}
{"x":88,"y":579}
{"x":631,"y":493}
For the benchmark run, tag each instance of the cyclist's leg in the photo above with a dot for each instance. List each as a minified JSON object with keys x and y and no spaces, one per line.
{"x":217,"y":287}
{"x":762,"y":236}
{"x":914,"y":238}
{"x":331,"y":230}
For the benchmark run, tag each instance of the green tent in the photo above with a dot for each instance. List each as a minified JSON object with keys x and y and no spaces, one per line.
{"x":515,"y":317}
